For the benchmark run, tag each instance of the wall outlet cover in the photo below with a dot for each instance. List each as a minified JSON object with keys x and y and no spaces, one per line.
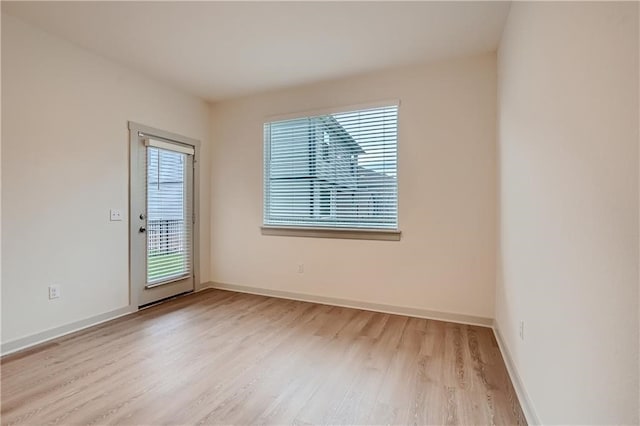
{"x":54,"y":292}
{"x":115,"y":215}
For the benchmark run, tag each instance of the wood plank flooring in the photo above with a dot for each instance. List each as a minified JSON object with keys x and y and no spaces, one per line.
{"x":219,"y":357}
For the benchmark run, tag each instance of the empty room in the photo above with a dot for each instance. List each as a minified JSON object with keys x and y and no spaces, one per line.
{"x":320,"y":213}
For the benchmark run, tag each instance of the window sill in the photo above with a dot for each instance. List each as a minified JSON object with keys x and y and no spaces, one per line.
{"x":344,"y":233}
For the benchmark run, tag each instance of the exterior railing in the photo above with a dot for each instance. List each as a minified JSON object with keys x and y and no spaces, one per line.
{"x":165,"y":236}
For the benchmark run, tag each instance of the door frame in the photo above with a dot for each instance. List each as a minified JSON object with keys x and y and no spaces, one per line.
{"x":134,"y":191}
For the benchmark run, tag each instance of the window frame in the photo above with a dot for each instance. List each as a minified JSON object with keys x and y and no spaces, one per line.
{"x":319,"y":231}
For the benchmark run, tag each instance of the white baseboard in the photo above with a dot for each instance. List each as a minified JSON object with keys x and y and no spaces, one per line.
{"x":527,"y":407}
{"x":367,"y":306}
{"x":53,"y":333}
{"x":523,"y":396}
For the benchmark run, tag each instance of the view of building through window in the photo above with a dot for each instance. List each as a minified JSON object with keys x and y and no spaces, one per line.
{"x":167,"y":229}
{"x":336,"y":170}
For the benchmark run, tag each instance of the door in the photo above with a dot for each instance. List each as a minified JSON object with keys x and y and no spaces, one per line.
{"x":162,"y":217}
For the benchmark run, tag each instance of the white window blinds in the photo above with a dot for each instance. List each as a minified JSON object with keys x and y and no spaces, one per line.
{"x":333,"y":171}
{"x":169,"y":212}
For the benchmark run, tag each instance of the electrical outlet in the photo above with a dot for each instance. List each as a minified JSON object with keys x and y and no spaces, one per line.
{"x":301,"y":268}
{"x":521,"y":330}
{"x":54,"y":292}
{"x":115,"y":215}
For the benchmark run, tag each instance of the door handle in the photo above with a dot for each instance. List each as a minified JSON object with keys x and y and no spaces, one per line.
{"x":142,"y":229}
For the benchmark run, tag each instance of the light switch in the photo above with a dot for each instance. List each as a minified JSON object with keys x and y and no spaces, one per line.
{"x":116,"y":215}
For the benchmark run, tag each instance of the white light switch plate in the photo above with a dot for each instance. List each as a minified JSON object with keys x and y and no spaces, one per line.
{"x":116,"y":215}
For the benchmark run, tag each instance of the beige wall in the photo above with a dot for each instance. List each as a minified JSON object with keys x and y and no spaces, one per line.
{"x":567,"y":197}
{"x":64,"y":165}
{"x":568,"y":149}
{"x":447,"y":197}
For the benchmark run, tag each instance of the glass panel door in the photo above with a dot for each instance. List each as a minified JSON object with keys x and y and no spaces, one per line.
{"x":168,"y":217}
{"x":162,"y":225}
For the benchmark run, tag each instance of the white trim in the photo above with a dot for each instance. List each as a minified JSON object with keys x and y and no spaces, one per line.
{"x":344,"y":233}
{"x":169,"y":146}
{"x":146,"y":131}
{"x":137,"y":131}
{"x":523,"y":397}
{"x":357,"y":304}
{"x":53,"y":333}
{"x":521,"y":394}
{"x":333,"y":110}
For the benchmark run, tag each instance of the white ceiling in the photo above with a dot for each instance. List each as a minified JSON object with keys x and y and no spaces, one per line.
{"x":218,"y":50}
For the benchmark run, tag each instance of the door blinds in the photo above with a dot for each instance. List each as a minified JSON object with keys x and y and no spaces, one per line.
{"x":169,"y":212}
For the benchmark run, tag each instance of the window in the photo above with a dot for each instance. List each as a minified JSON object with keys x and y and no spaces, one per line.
{"x":168,"y":210}
{"x":325,"y":145}
{"x":336,"y":171}
{"x":325,"y":203}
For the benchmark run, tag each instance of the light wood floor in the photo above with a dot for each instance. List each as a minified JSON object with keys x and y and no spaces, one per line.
{"x":223,"y":357}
